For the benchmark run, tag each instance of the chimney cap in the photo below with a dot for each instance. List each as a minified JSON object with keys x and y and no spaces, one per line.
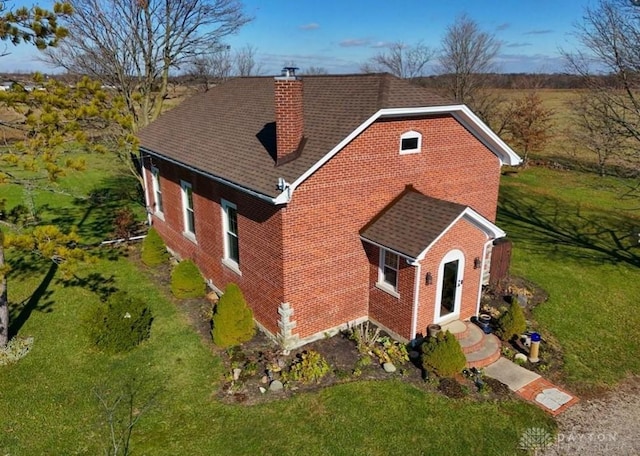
{"x":288,"y":74}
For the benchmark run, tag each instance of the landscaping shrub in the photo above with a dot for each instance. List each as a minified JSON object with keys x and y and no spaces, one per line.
{"x":309,"y":366}
{"x":120,"y":323}
{"x":186,"y":281}
{"x":232,"y":319}
{"x":443,"y":355}
{"x":512,"y":322}
{"x":154,"y":251}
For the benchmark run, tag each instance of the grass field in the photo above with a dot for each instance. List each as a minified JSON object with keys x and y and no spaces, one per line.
{"x":576,"y":235}
{"x":49,"y":398}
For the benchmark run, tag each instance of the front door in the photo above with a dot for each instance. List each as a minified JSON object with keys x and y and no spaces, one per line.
{"x":450,"y":286}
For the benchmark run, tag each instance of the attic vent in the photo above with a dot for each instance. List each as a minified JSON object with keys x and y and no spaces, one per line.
{"x":410,"y":142}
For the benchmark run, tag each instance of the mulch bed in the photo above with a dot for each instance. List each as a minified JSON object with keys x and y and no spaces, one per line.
{"x":254,"y":357}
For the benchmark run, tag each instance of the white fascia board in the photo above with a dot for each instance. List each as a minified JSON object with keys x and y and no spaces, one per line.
{"x":258,"y":195}
{"x":460,"y":112}
{"x":488,"y":228}
{"x":410,"y":260}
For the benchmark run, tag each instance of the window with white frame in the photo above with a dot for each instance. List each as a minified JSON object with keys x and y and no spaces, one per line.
{"x":410,"y":142}
{"x":230,"y":228}
{"x":157,"y":191}
{"x":187,"y":209}
{"x":388,"y":273}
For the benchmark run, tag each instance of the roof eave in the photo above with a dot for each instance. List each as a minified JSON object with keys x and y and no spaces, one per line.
{"x":283,"y":198}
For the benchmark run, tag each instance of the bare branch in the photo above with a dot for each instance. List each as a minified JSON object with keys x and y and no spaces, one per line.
{"x":401,"y":60}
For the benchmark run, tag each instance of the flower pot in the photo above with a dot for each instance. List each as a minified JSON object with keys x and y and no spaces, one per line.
{"x":484,"y":321}
{"x":433,"y":330}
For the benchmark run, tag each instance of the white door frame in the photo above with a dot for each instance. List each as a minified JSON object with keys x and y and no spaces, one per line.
{"x":452,"y":255}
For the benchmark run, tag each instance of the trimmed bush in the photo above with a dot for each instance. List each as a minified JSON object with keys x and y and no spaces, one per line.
{"x":232,"y":319}
{"x":512,"y":322}
{"x":186,"y":281}
{"x":120,"y":323}
{"x":443,"y":355}
{"x":154,"y":251}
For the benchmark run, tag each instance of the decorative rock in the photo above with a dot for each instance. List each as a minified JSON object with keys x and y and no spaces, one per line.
{"x":389,"y":367}
{"x":520,"y":356}
{"x":263,"y":390}
{"x":236,"y":373}
{"x":276,"y":385}
{"x":264,"y":379}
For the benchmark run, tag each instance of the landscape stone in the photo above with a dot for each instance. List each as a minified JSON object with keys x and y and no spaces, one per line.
{"x":264,"y":379}
{"x":236,"y":373}
{"x":520,"y":356}
{"x":276,"y":385}
{"x":263,"y":390}
{"x":389,"y":367}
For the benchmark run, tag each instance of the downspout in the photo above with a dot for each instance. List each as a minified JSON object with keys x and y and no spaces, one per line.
{"x":146,"y":190}
{"x":484,"y":259}
{"x":416,"y":299}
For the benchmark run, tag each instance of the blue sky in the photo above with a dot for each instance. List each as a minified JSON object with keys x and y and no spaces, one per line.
{"x":340,"y":35}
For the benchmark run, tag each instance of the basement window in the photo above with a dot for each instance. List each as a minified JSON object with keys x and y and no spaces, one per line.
{"x":410,"y":142}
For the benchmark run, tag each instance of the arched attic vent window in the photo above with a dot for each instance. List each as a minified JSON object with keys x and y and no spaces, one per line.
{"x":410,"y":142}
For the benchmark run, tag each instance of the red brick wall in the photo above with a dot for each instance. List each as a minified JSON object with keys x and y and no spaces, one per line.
{"x":391,"y":311}
{"x":260,"y":261}
{"x":326,"y":268}
{"x":326,"y":274}
{"x":289,"y":115}
{"x":470,"y":241}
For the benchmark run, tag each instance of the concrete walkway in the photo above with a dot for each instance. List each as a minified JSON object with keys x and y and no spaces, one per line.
{"x":531,"y":386}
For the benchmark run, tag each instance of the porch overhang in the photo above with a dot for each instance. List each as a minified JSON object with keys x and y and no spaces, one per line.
{"x":413,"y":223}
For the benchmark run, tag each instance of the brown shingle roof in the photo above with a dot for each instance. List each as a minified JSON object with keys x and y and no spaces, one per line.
{"x":229,"y":131}
{"x":411,"y":222}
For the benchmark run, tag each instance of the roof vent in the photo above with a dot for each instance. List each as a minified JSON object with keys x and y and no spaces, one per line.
{"x":289,"y":72}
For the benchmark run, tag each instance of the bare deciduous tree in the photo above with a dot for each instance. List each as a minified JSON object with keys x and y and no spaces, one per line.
{"x":594,"y":128}
{"x":609,"y":35}
{"x":315,"y":70}
{"x":212,"y":67}
{"x":133,"y":45}
{"x":401,"y":60}
{"x":529,"y":125}
{"x":467,"y":56}
{"x":245,"y":63}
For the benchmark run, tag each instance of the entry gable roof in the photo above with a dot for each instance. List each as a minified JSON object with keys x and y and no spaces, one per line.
{"x":412,"y":223}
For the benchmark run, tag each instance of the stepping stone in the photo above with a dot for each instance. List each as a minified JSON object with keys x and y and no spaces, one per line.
{"x":553,"y":398}
{"x":276,"y":386}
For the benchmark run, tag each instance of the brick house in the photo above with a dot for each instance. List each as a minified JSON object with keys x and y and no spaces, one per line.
{"x":330,"y":200}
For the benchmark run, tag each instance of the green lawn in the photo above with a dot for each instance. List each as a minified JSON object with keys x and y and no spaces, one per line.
{"x":50,"y":407}
{"x":576,"y":235}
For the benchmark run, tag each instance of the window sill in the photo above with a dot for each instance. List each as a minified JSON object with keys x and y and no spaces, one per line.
{"x":409,"y":151}
{"x":235,"y":267}
{"x":190,"y":236}
{"x":159,"y":215}
{"x":387,"y":289}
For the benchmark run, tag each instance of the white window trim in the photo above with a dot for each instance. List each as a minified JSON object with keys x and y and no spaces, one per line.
{"x":155,"y":185}
{"x":191,"y":235}
{"x":410,"y":135}
{"x":226,"y":260}
{"x":381,"y":284}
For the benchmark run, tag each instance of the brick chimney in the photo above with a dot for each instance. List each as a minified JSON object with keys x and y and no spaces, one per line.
{"x":289,"y":115}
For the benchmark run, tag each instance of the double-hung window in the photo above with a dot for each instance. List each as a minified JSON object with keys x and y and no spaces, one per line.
{"x":388,"y":271}
{"x":188,"y":210}
{"x":230,"y":233}
{"x":157,"y":192}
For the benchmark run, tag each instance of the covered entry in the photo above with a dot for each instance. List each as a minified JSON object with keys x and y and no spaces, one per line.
{"x":426,"y":259}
